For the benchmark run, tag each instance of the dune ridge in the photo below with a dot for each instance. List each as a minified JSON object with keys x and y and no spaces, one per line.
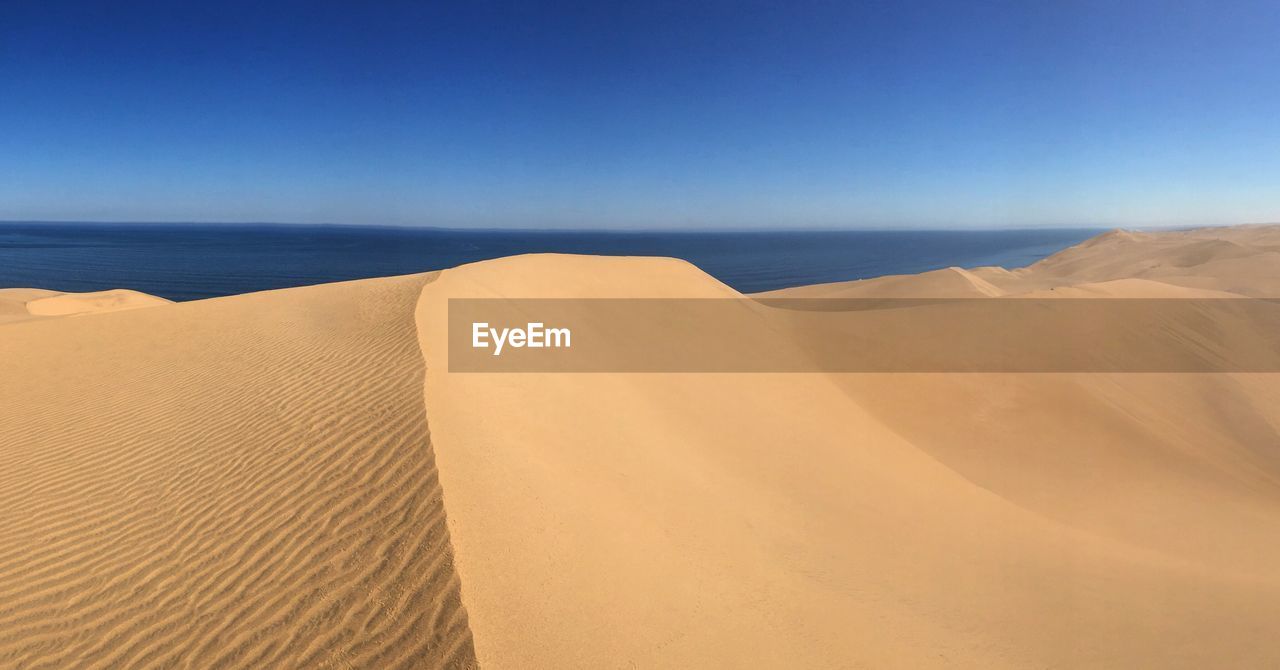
{"x":241,"y":482}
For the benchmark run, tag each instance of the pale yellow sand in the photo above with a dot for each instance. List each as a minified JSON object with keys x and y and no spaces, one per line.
{"x":893,"y":520}
{"x":1237,"y":259}
{"x":242,"y":482}
{"x":945,"y":283}
{"x":249,"y":482}
{"x":21,"y":304}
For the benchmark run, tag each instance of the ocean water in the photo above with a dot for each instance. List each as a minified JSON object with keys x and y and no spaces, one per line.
{"x":193,"y":261}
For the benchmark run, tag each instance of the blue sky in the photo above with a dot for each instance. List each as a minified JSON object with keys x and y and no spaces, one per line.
{"x":646,"y":114}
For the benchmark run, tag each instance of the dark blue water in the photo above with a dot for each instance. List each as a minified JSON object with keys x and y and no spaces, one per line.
{"x":190,"y":261}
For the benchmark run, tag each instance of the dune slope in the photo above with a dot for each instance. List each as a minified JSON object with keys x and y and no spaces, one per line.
{"x":945,"y":283}
{"x":241,"y":482}
{"x":894,"y":520}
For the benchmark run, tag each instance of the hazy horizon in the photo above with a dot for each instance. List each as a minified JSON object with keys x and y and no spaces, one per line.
{"x":619,"y":229}
{"x":929,"y":116}
{"x":1013,"y":227}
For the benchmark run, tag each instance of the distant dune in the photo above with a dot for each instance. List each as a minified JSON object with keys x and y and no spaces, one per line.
{"x":1240,"y":259}
{"x":21,"y":304}
{"x":294,"y":479}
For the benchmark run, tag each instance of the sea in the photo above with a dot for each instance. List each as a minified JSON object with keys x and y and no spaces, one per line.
{"x":195,"y":261}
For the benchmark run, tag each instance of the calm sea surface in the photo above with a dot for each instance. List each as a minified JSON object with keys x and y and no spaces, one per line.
{"x":188,"y":261}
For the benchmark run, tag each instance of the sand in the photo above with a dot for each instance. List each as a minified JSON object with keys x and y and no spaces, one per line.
{"x":239,"y":482}
{"x":946,"y":283}
{"x":23,"y":304}
{"x":295,"y":479}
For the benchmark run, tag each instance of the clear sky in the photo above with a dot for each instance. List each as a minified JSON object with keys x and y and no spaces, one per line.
{"x":643,"y":114}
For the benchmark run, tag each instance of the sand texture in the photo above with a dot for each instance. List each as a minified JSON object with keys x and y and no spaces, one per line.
{"x":243,"y":482}
{"x":262,"y":481}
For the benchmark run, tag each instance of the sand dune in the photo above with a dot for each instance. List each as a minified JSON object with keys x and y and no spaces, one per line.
{"x":1239,"y":259}
{"x":249,"y":482}
{"x":896,"y":520}
{"x":241,"y":482}
{"x":19,"y":304}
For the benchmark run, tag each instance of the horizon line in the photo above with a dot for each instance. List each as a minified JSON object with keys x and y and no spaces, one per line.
{"x":631,"y":229}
